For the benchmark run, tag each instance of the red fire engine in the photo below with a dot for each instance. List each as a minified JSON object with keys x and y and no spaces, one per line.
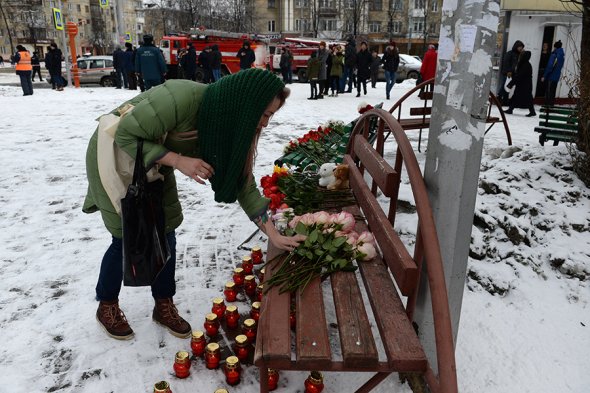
{"x":229,"y":44}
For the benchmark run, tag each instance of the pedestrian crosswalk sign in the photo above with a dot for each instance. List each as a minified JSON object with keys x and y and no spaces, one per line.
{"x":57,"y":19}
{"x":104,"y":3}
{"x":128,"y":37}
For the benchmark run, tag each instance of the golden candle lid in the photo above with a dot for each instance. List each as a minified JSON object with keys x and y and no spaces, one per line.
{"x":316,"y":377}
{"x":182,"y":356}
{"x":239,"y":270}
{"x":231,"y":309}
{"x":272,"y":371}
{"x":230,"y":285}
{"x":221,"y":391}
{"x":212,"y":347}
{"x":256,"y":249}
{"x":218,"y":300}
{"x":197,"y":335}
{"x":256,"y":306}
{"x":241,"y":339}
{"x":161,"y":387}
{"x":250,"y":277}
{"x":211,"y":317}
{"x":246,"y":258}
{"x":262,"y":270}
{"x":250,"y":323}
{"x":232,"y":361}
{"x":260,"y":286}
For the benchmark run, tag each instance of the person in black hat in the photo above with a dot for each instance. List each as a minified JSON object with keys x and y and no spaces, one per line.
{"x":246,"y":56}
{"x":149,"y":63}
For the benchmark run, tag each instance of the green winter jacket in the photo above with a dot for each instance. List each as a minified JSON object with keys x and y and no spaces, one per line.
{"x":337,"y":65}
{"x":169,"y":108}
{"x":313,"y":68}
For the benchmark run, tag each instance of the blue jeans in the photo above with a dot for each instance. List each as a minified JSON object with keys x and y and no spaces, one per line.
{"x":347,"y":74}
{"x":216,"y":74}
{"x":111,"y":272}
{"x":389,"y":82}
{"x":25,"y":82}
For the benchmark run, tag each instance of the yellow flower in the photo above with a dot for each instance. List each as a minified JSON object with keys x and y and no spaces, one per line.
{"x":280,"y":170}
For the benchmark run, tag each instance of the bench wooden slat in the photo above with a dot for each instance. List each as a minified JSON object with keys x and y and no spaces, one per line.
{"x":544,"y":130}
{"x":413,"y":124}
{"x":563,"y":126}
{"x":383,"y":174}
{"x":275,"y":347}
{"x":560,"y":137}
{"x":425,"y":95}
{"x":421,"y":111}
{"x":313,"y":345}
{"x":356,"y":338}
{"x":397,"y":257}
{"x":559,"y":110}
{"x":565,"y":118}
{"x":401,"y":344}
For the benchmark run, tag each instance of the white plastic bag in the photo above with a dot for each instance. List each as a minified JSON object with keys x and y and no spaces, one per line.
{"x":509,"y":90}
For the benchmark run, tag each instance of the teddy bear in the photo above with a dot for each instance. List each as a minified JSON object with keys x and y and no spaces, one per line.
{"x":340,"y":178}
{"x":326,"y":173}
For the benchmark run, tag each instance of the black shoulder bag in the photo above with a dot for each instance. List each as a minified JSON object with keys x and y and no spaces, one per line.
{"x":145,"y":248}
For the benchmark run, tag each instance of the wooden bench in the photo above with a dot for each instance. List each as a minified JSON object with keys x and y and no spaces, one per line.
{"x":420,"y":116}
{"x":370,"y":294}
{"x":558,"y":124}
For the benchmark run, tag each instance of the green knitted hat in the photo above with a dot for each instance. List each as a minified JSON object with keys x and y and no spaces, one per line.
{"x":226,"y":123}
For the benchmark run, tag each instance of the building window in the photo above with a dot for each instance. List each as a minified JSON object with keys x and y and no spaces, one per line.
{"x":327,"y":4}
{"x":398,"y":5}
{"x":396,"y":27}
{"x":419,"y":4}
{"x":328,"y":25}
{"x":434,"y":5}
{"x":138,"y":27}
{"x":271,"y":25}
{"x":70,"y":6}
{"x":418,"y":26}
{"x":432,"y":28}
{"x":302,"y":25}
{"x":52,"y":4}
{"x":349,"y":4}
{"x":374,"y":27}
{"x":271,"y":4}
{"x":302,"y":4}
{"x":79,"y":7}
{"x":375,"y":5}
{"x":87,"y":9}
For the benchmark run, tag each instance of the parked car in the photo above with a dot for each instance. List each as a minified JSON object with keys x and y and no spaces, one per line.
{"x":409,"y":68}
{"x":97,"y":69}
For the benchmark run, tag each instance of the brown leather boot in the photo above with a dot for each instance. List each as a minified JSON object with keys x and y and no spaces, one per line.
{"x":113,"y":321}
{"x":166,"y":314}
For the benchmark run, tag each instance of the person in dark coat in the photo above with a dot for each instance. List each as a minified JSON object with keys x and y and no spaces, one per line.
{"x":349,"y":64}
{"x":119,"y":66}
{"x":246,"y":55}
{"x":35,"y":62}
{"x":322,"y":54}
{"x":509,"y":63}
{"x":375,"y":64}
{"x":129,"y":66}
{"x":522,"y":79}
{"x":336,"y":70}
{"x":363,"y":66}
{"x":53,"y":60}
{"x":149,"y":63}
{"x":328,"y":71}
{"x":543,"y":60}
{"x":189,"y":65}
{"x":553,"y":72}
{"x":390,"y":63}
{"x":286,"y":65}
{"x":313,"y":72}
{"x":205,"y":64}
{"x":216,"y":62}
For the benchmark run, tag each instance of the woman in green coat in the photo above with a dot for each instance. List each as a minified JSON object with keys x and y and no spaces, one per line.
{"x":209,"y":132}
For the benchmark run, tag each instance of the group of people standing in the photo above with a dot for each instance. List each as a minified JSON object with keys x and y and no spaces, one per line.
{"x":336,"y":70}
{"x":209,"y":60}
{"x":27,"y":66}
{"x":144,"y":67}
{"x":516,"y":66}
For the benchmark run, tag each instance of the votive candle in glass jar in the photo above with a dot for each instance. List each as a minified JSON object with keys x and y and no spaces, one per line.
{"x":259,"y":292}
{"x":230,"y":291}
{"x":211,"y":324}
{"x":314,"y":383}
{"x":261,"y":274}
{"x":198,"y":343}
{"x":256,"y":255}
{"x":249,"y":329}
{"x":162,"y":387}
{"x":273,"y":379}
{"x":242,"y":348}
{"x":232,"y":370}
{"x":247,"y":264}
{"x":182,"y":364}
{"x":238,"y":276}
{"x":255,"y":311}
{"x":212,"y":357}
{"x":250,"y":285}
{"x":221,"y":391}
{"x":218,"y":307}
{"x":232,"y":317}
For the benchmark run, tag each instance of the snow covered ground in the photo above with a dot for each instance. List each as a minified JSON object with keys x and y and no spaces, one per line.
{"x":525,"y":318}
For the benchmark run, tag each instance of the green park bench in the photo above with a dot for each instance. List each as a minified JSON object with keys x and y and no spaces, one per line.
{"x":557,"y":123}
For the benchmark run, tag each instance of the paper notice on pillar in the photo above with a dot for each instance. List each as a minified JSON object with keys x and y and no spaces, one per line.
{"x":449,"y":5}
{"x":446,"y":49}
{"x":467,"y":38}
{"x":452,"y":137}
{"x":455,"y":94}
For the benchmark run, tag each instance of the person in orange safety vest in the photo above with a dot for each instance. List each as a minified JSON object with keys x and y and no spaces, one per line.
{"x":24,"y":69}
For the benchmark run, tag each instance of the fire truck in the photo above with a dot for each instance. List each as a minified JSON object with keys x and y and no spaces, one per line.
{"x":229,"y":44}
{"x":301,"y":49}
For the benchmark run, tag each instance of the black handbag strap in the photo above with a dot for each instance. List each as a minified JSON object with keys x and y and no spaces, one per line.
{"x":139,"y":174}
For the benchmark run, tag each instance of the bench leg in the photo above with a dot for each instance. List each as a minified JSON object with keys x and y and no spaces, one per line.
{"x":263,"y":379}
{"x":555,"y":143}
{"x":373,"y":382}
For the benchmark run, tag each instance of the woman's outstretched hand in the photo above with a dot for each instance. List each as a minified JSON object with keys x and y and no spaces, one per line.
{"x":287,"y":243}
{"x":195,"y":168}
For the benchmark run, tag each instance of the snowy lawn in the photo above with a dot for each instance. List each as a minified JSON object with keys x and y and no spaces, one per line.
{"x":525,"y":320}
